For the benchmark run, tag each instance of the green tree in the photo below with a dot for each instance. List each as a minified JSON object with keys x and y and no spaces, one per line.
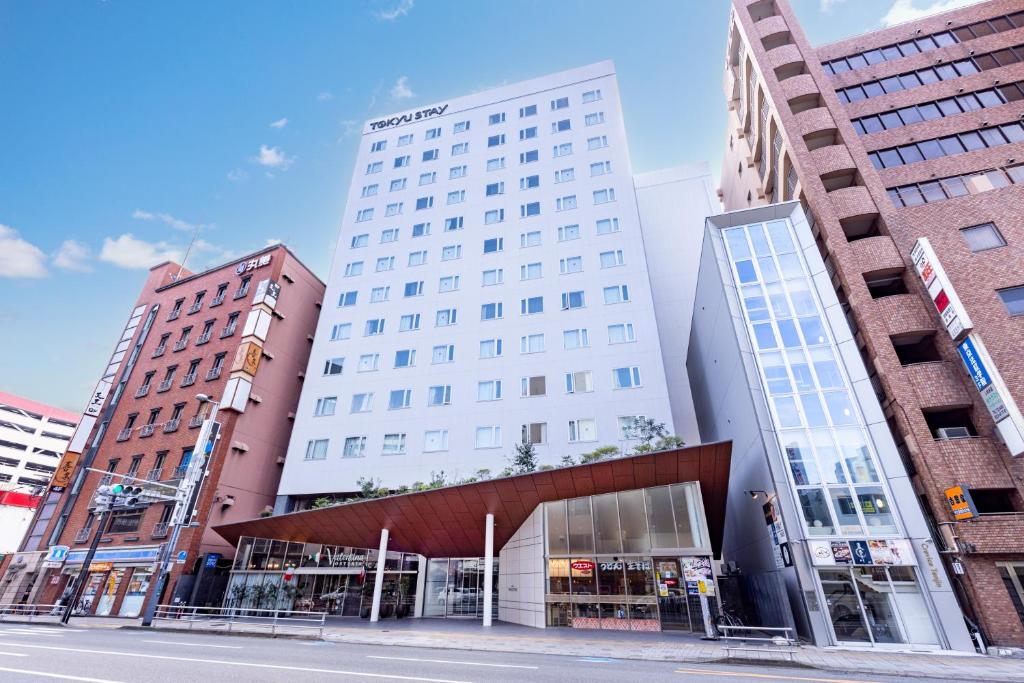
{"x":600,"y":453}
{"x":525,"y":459}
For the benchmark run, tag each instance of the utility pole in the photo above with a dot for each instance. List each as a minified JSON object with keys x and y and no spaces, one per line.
{"x":186,"y":498}
{"x":79,"y":583}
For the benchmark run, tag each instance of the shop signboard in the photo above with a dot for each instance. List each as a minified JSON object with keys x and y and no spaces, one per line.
{"x":55,"y":556}
{"x":861,"y":552}
{"x":65,"y":470}
{"x":582,"y":566}
{"x":960,"y":503}
{"x":994,"y":392}
{"x":940,"y":289}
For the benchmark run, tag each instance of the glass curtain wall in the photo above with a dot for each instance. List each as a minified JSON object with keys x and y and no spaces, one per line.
{"x":455,"y":588}
{"x":601,"y":554}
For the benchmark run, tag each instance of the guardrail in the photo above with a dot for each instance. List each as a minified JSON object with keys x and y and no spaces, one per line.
{"x":776,"y":639}
{"x":238,"y":618}
{"x":30,"y":612}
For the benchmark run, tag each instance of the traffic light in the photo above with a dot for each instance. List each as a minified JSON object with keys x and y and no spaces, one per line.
{"x":131,"y":494}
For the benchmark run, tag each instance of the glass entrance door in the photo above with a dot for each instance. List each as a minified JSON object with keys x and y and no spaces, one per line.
{"x":671,"y":589}
{"x":877,"y":605}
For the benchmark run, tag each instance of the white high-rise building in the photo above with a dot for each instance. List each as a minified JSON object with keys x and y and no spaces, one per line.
{"x":490,"y":287}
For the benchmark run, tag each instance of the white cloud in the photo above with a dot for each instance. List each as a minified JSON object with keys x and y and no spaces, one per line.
{"x":273,"y":157}
{"x":905,"y":10}
{"x":19,"y":258}
{"x":827,"y":5}
{"x":400,"y":10}
{"x":349,"y":127}
{"x":280,"y":123}
{"x":237,"y":175}
{"x":165,"y":218}
{"x":400,"y":90}
{"x":324,"y":96}
{"x":73,"y":255}
{"x":272,"y":241}
{"x":127,"y":251}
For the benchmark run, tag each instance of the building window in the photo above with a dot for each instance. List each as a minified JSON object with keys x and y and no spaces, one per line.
{"x":443,"y":353}
{"x":495,"y":276}
{"x":496,"y":164}
{"x":1013,"y":299}
{"x":571,"y":300}
{"x":604,"y":196}
{"x":529,"y":239}
{"x":369,"y":190}
{"x":531,"y":343}
{"x":627,"y":426}
{"x":494,"y":216}
{"x":582,"y":430}
{"x":529,"y":110}
{"x":449,"y":283}
{"x":421,"y":229}
{"x":439,"y":395}
{"x":607,"y":225}
{"x":453,"y":223}
{"x":562,"y":150}
{"x":616,"y":294}
{"x":456,"y":172}
{"x":325,"y":406}
{"x":598,"y":142}
{"x":431,"y":154}
{"x":417,"y":258}
{"x":445,"y":316}
{"x":528,"y":133}
{"x":560,"y":103}
{"x":359,"y":241}
{"x":621,"y":333}
{"x":496,"y":140}
{"x":379,"y":146}
{"x":460,"y":127}
{"x":493,"y":189}
{"x":530,"y":271}
{"x":427,"y":202}
{"x":394,"y":209}
{"x":488,"y":390}
{"x":494,"y":119}
{"x":341,"y":331}
{"x":566,"y":203}
{"x":353,"y":269}
{"x":529,"y":182}
{"x":529,"y":156}
{"x":348,"y":298}
{"x":455,"y":197}
{"x":488,"y":437}
{"x":611,"y":259}
{"x":361,"y":403}
{"x":413,"y":288}
{"x":374,"y":326}
{"x":535,"y":432}
{"x":397,"y":184}
{"x":316,"y":449}
{"x":435,"y":440}
{"x":460,"y":148}
{"x":494,"y":244}
{"x":594,"y":119}
{"x":364,"y":215}
{"x":451,"y":252}
{"x":379,"y":294}
{"x":394,"y":444}
{"x":576,"y":339}
{"x":409,"y":322}
{"x":402,"y":162}
{"x":399,"y":399}
{"x":983,"y":237}
{"x":531,"y":305}
{"x":375,"y":167}
{"x":533,"y":386}
{"x":355,"y":447}
{"x":369,"y":362}
{"x":405,"y":358}
{"x":626,"y":378}
{"x":591,"y":96}
{"x":531,"y":209}
{"x":570,"y":264}
{"x":565,"y":175}
{"x":490,"y":348}
{"x":490,"y":311}
{"x":428,"y":178}
{"x":334,"y":366}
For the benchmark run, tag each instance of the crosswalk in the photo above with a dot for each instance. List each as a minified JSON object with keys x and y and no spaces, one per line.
{"x":45,"y":632}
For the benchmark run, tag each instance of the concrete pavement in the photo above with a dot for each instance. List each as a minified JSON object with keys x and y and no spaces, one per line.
{"x":44,"y":653}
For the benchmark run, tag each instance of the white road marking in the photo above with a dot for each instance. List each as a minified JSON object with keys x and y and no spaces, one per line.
{"x":65,"y":677}
{"x":452,"y":661}
{"x":283,"y":667}
{"x":173,"y":642}
{"x":13,"y":654}
{"x":27,"y":632}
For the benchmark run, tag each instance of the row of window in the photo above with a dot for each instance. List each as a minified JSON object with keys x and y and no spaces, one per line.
{"x":525,"y":112}
{"x":924,"y":43}
{"x":205,"y":335}
{"x":566,"y":203}
{"x":565,"y":233}
{"x":936,"y":148}
{"x":932,"y":74}
{"x":530,"y":182}
{"x":950,"y":106}
{"x":563,"y":149}
{"x":487,"y":390}
{"x":219,"y":295}
{"x":190,"y":376}
{"x":931,"y":191}
{"x":582,"y":430}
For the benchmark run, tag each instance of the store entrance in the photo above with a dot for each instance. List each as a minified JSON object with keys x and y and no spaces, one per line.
{"x":679,"y":608}
{"x":876,"y":605}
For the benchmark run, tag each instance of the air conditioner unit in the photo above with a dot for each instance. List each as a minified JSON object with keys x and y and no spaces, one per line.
{"x":952,"y":432}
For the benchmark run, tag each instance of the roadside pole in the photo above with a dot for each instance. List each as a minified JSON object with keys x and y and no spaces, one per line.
{"x":186,"y":498}
{"x":84,"y":572}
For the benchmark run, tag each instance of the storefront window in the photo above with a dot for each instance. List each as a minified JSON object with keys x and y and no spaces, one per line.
{"x":558,"y":539}
{"x":801,"y":458}
{"x":260,"y":549}
{"x":816,"y":514}
{"x":828,"y":457}
{"x":846,"y":510}
{"x":606,"y":523}
{"x":611,"y":578}
{"x":685,"y":505}
{"x":856,"y":456}
{"x":660,"y":520}
{"x":243,"y":553}
{"x":276,"y":559}
{"x":558,"y":576}
{"x":640,"y":577}
{"x":437,"y":578}
{"x":875,"y":508}
{"x":293,"y":556}
{"x":310,"y":555}
{"x":633,"y":520}
{"x":582,"y":573}
{"x":581,"y":528}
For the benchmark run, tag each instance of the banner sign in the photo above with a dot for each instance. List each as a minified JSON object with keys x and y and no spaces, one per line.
{"x":863,"y":552}
{"x":994,"y":392}
{"x":940,"y":289}
{"x":960,"y":503}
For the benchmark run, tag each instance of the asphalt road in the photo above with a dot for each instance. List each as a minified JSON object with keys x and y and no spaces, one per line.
{"x":46,"y":653}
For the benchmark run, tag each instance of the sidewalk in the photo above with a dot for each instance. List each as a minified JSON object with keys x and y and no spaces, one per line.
{"x":453,"y":634}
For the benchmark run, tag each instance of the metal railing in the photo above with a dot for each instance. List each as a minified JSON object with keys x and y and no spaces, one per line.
{"x":124,"y":434}
{"x":159,"y":530}
{"x":178,"y":472}
{"x":228,"y":331}
{"x":155,"y":474}
{"x":165,"y":385}
{"x":146,"y":430}
{"x":82,"y":536}
{"x":217,"y":300}
{"x":194,"y":308}
{"x":174,"y":314}
{"x":29,"y":612}
{"x":195,"y":421}
{"x":204,"y":337}
{"x":142,"y":391}
{"x":172,"y":425}
{"x":214,"y":373}
{"x":189,"y":379}
{"x":181,"y":344}
{"x":159,"y":351}
{"x":241,"y":618}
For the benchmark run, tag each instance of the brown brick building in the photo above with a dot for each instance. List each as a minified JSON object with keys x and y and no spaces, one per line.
{"x":909,"y":132}
{"x":231,"y":334}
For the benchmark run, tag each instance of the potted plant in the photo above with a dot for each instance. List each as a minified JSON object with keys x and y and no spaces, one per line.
{"x":236,"y":596}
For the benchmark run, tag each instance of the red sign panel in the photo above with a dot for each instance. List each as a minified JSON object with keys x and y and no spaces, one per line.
{"x":941,"y":300}
{"x":583,"y":566}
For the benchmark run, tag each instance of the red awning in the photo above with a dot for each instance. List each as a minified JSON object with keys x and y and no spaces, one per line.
{"x":449,"y":522}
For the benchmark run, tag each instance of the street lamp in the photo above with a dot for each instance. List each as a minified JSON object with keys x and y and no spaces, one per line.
{"x":187,"y":496}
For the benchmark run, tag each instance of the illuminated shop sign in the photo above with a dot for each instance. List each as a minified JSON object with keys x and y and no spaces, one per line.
{"x":253,"y":264}
{"x":994,"y":392}
{"x":940,"y":289}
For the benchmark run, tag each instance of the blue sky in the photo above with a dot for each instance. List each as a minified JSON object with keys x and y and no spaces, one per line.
{"x":123,"y":125}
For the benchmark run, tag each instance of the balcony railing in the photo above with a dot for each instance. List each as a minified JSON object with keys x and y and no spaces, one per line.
{"x":203,"y":338}
{"x":179,"y":472}
{"x":242,"y":291}
{"x":159,"y":530}
{"x":159,"y":351}
{"x":165,"y":385}
{"x":174,"y":314}
{"x":142,"y":391}
{"x":195,"y":421}
{"x":228,"y":331}
{"x":155,"y":474}
{"x":82,"y":536}
{"x":189,"y":379}
{"x":172,"y":425}
{"x":217,"y":301}
{"x":194,"y":308}
{"x":180,"y":344}
{"x":147,"y":430}
{"x":124,"y":434}
{"x":213,"y":374}
{"x":106,"y":478}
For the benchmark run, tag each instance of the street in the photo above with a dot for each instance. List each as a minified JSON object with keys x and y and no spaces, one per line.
{"x":109,"y":655}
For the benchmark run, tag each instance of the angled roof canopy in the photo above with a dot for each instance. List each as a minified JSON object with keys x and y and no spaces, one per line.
{"x":449,"y":522}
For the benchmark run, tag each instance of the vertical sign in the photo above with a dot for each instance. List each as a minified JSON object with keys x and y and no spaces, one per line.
{"x":960,"y":503}
{"x":994,"y":392}
{"x":940,"y":289}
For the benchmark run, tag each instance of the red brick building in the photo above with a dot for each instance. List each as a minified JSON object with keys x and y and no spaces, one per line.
{"x":909,"y":132}
{"x":240,"y":333}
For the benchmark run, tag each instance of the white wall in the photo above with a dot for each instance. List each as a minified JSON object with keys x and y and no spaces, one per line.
{"x":521,"y":583}
{"x":673,"y":204}
{"x":14,"y":521}
{"x":465,"y":414}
